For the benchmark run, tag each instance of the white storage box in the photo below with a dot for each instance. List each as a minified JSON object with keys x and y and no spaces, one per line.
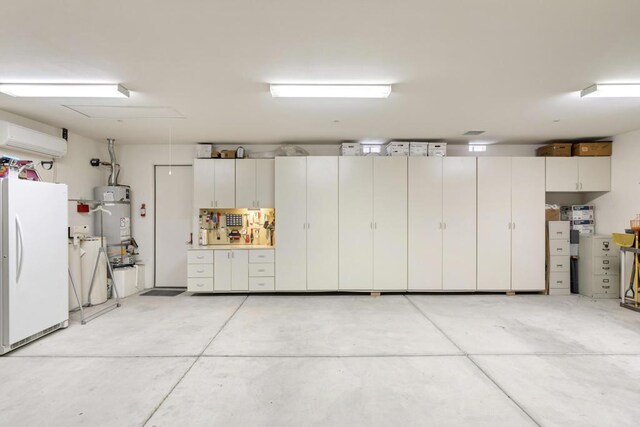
{"x":397,"y":148}
{"x":578,"y":213}
{"x":438,"y":149}
{"x":126,"y":281}
{"x":418,"y":148}
{"x":351,"y":149}
{"x":203,"y":151}
{"x":584,"y":229}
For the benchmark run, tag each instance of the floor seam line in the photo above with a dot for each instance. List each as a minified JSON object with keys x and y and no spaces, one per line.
{"x":146,"y":421}
{"x":518,"y":405}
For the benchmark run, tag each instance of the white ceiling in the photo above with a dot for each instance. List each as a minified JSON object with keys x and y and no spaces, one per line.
{"x":510,"y":67}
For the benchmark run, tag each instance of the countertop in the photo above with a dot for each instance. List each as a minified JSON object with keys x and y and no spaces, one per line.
{"x":228,"y":247}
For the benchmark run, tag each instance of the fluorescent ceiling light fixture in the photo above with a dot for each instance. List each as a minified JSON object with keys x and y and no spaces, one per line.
{"x":63,"y":90}
{"x":477,"y":148}
{"x":330,"y":91}
{"x":613,"y":90}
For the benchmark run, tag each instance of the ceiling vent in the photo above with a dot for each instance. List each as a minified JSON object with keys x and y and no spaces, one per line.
{"x":474,"y":132}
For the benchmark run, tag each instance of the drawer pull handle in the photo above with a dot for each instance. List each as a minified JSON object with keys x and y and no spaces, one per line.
{"x":261,"y":270}
{"x":200,"y":271}
{"x":606,"y":287}
{"x":605,"y":268}
{"x":200,"y":257}
{"x":605,"y":281}
{"x":559,"y":281}
{"x":606,"y":261}
{"x":558,"y":265}
{"x":559,"y":249}
{"x":200,"y":285}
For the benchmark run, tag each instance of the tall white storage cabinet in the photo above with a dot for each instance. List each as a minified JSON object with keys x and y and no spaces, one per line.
{"x":307,"y":209}
{"x":459,"y":223}
{"x":425,"y":224}
{"x":528,"y":224}
{"x":291,"y":211}
{"x":494,"y":223}
{"x":322,"y":223}
{"x":390,"y":223}
{"x":511,"y":200}
{"x":373,"y":223}
{"x":356,"y":222}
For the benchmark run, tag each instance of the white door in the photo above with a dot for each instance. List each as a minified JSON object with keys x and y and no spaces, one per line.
{"x":245,"y":183}
{"x":459,"y":223}
{"x":527,"y":213}
{"x":35,"y":267}
{"x":221,"y":270}
{"x":594,"y":173}
{"x":390,"y":223}
{"x":425,"y":223}
{"x":265,"y":171}
{"x":203,"y":187}
{"x":322,"y":219}
{"x":494,"y":223}
{"x":561,"y":173}
{"x":225,"y":183}
{"x":291,"y":223}
{"x":239,"y":270}
{"x":173,"y":224}
{"x":356,"y":223}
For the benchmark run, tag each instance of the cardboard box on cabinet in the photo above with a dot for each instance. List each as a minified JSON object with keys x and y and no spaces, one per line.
{"x":602,"y":148}
{"x":556,"y":149}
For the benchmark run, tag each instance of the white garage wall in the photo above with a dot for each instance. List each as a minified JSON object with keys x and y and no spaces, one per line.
{"x":616,"y":208}
{"x":73,"y":169}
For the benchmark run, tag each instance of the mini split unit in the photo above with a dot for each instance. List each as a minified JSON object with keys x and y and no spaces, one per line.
{"x":19,"y":138}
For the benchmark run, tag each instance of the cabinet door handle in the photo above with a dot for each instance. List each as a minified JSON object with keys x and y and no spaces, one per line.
{"x":444,"y":225}
{"x":581,"y":186}
{"x":577,"y":186}
{"x":513,"y":225}
{"x":375,"y":225}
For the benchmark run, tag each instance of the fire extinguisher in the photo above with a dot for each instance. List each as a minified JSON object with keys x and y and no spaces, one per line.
{"x":143,"y":210}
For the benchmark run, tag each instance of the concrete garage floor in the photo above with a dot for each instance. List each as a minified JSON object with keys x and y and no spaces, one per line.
{"x":333,"y":360}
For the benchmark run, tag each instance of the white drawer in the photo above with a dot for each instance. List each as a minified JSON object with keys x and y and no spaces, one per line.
{"x":261,"y":270}
{"x":559,"y":247}
{"x":200,"y":257}
{"x":261,"y":255}
{"x":607,"y":265}
{"x":559,"y":280}
{"x":559,"y":263}
{"x":559,"y":230}
{"x":261,"y":284}
{"x":204,"y":284}
{"x":200,"y":270}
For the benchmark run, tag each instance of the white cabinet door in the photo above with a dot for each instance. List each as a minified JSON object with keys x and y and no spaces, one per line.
{"x":203,"y":183}
{"x":222,"y":270}
{"x":494,"y":223}
{"x":246,"y":183}
{"x":265,"y":170}
{"x":225,"y":183}
{"x":322,"y":219}
{"x":425,"y":223}
{"x":240,"y":270}
{"x":561,"y":174}
{"x":355,"y":222}
{"x":291,"y":210}
{"x":594,"y":173}
{"x":390,"y":223}
{"x":527,"y":215}
{"x":459,"y":223}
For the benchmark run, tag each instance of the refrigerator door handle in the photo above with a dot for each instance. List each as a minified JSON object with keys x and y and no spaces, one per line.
{"x":20,"y":252}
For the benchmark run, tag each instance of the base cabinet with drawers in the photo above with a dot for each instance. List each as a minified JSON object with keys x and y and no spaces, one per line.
{"x":559,"y":258}
{"x":224,"y":269}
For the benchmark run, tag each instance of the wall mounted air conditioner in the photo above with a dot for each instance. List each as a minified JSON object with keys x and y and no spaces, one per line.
{"x":14,"y":137}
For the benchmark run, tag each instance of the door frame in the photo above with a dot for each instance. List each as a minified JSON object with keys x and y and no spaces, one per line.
{"x":155,"y":214}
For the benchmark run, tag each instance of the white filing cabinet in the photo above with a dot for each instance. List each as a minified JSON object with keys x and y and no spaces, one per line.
{"x":559,"y":258}
{"x":598,"y":267}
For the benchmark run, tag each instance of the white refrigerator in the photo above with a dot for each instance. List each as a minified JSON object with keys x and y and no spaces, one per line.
{"x":33,"y":273}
